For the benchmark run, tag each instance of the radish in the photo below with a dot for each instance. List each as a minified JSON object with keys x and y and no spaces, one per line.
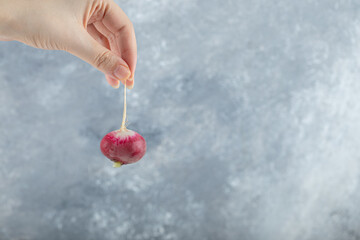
{"x":123,"y":146}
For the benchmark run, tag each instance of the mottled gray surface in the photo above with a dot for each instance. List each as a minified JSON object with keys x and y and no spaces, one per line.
{"x":251,"y":113}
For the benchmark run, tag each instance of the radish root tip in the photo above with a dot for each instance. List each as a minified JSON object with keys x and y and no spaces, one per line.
{"x":117,"y":164}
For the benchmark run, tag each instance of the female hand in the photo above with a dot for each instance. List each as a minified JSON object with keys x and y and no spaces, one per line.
{"x":97,"y":31}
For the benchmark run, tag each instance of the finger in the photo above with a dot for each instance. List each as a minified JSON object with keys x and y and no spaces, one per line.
{"x":130,"y":83}
{"x":114,"y":46}
{"x":102,"y":29}
{"x":119,"y":24}
{"x":112,"y":81}
{"x":128,"y":49}
{"x":100,"y":38}
{"x":88,"y":49}
{"x":115,"y":83}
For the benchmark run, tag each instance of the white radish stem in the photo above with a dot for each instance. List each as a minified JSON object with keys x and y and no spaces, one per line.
{"x":124,"y":113}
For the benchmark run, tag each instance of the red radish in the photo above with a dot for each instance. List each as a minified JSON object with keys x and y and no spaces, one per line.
{"x":123,"y":146}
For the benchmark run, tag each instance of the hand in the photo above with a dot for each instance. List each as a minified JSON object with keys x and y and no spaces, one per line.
{"x":97,"y":31}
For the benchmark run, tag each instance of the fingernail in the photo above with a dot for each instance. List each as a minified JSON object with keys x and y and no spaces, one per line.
{"x":122,"y":72}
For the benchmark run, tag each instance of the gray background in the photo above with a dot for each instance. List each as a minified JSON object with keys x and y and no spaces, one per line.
{"x":251,"y":114}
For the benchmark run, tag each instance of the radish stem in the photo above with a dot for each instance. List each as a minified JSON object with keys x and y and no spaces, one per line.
{"x":124,"y":113}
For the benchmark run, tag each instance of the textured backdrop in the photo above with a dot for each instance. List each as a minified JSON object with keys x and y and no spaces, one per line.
{"x":250,"y":109}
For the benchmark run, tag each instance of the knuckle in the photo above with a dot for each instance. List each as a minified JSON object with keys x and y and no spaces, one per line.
{"x":103,"y":60}
{"x":111,"y":37}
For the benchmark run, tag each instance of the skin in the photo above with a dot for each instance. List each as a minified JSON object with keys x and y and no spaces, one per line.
{"x":96,"y":31}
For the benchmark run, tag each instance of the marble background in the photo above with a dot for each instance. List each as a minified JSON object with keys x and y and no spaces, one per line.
{"x":250,"y":109}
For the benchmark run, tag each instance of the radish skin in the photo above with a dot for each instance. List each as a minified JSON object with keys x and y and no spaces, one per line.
{"x":123,"y":146}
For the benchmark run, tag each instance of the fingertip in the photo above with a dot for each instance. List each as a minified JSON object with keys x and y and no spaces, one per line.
{"x":130,"y":83}
{"x":117,"y":86}
{"x":113,"y":82}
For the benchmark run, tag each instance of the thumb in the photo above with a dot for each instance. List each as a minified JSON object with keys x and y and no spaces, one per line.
{"x":89,"y":50}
